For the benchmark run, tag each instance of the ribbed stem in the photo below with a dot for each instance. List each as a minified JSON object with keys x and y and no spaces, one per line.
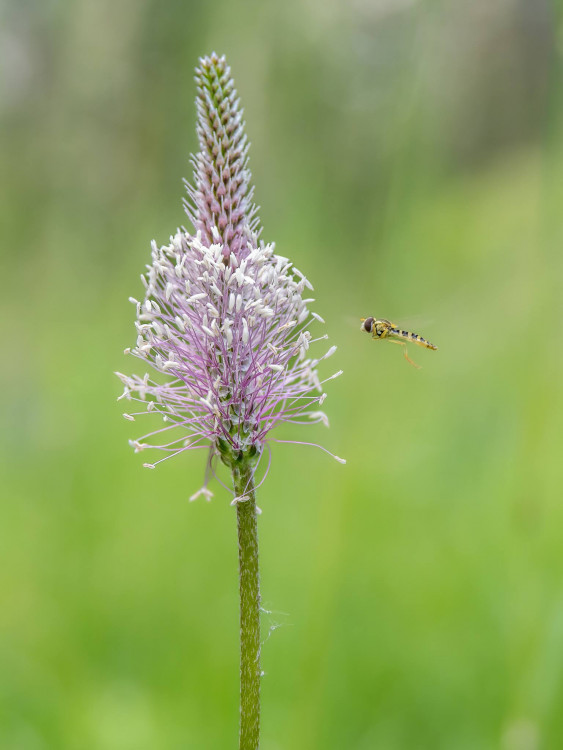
{"x":249,"y":609}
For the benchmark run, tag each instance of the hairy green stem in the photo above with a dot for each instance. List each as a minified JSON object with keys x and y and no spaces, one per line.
{"x":249,"y":608}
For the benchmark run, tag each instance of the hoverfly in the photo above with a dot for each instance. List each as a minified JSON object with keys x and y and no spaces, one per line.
{"x":384,"y":329}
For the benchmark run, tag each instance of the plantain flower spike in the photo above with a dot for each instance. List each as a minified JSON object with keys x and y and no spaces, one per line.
{"x":224,"y":324}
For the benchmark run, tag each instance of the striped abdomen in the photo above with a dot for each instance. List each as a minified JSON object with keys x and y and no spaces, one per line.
{"x":414,"y":337}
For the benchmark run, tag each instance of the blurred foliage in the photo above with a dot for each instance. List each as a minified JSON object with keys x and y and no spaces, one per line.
{"x":409,"y":159}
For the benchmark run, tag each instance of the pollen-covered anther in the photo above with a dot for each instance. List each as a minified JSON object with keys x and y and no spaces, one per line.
{"x":336,"y":375}
{"x":289,"y":324}
{"x":240,"y":499}
{"x":319,"y":416}
{"x":138,"y":446}
{"x":206,"y":493}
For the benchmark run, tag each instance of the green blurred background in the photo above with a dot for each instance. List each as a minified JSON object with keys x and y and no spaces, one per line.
{"x":408,"y":157}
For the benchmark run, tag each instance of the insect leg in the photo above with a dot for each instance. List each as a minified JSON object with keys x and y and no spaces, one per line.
{"x":405,"y":352}
{"x":418,"y":367}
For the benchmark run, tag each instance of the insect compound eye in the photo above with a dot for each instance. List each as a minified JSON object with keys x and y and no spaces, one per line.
{"x":368,"y":324}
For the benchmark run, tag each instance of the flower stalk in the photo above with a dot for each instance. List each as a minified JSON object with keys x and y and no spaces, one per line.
{"x":249,"y":586}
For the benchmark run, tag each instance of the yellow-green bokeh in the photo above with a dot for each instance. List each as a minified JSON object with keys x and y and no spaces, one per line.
{"x":408,"y":157}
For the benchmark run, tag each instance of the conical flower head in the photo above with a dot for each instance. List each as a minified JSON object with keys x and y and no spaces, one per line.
{"x":221,"y":199}
{"x":224,"y":321}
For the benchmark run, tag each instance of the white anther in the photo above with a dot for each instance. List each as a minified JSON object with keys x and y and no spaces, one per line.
{"x":319,"y":416}
{"x":240,"y":499}
{"x":203,"y":491}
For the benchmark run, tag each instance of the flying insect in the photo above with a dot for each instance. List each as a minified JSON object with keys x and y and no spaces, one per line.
{"x":384,"y":329}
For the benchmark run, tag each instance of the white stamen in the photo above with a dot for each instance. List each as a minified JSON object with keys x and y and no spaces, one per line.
{"x":319,"y":416}
{"x":240,"y":499}
{"x":336,"y":375}
{"x":203,"y":491}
